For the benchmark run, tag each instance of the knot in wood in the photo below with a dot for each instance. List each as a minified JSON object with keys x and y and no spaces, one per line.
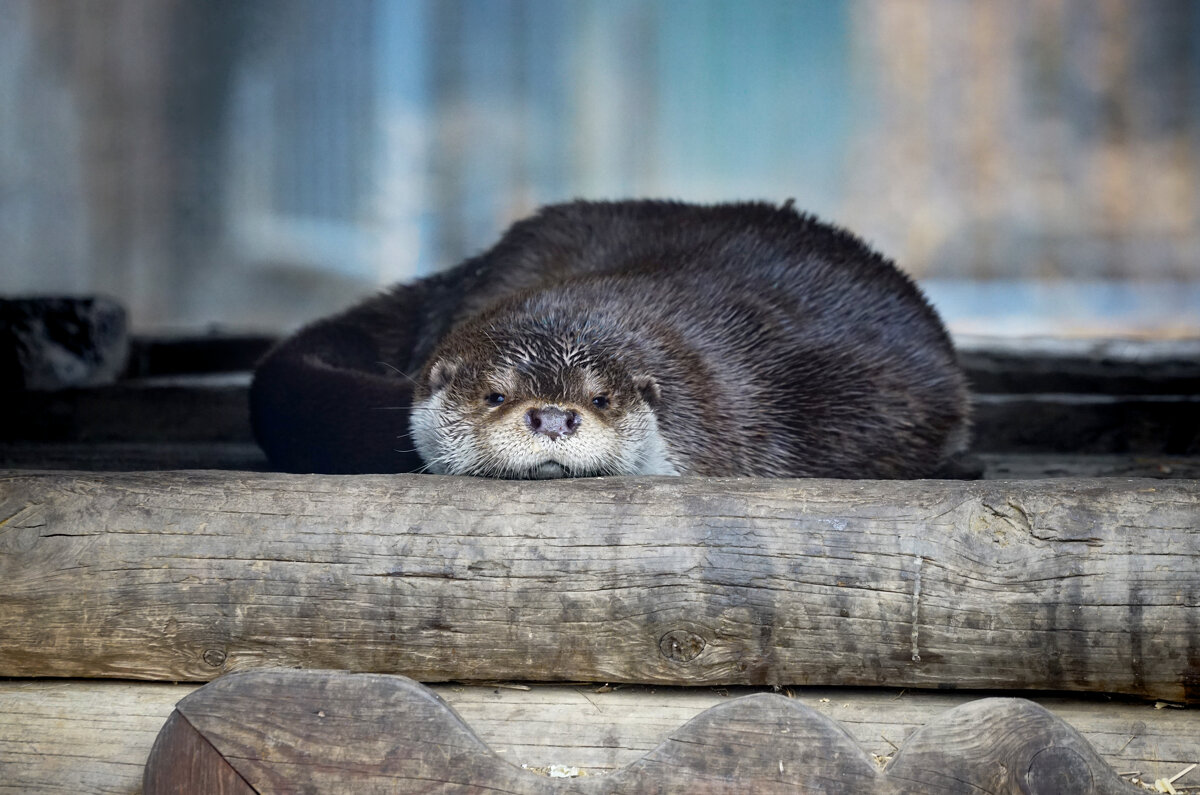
{"x":1058,"y":769}
{"x":680,"y":645}
{"x":214,"y":657}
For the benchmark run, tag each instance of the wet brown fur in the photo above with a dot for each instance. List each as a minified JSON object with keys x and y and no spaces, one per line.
{"x":778,"y":345}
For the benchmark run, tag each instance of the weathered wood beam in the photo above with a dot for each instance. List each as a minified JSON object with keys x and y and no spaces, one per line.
{"x":181,"y":576}
{"x":72,"y":736}
{"x":76,"y":737}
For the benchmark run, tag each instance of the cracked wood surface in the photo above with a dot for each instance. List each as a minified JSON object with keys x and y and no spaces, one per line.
{"x":178,"y":576}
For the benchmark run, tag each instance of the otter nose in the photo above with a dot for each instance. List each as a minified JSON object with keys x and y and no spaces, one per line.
{"x":552,"y":421}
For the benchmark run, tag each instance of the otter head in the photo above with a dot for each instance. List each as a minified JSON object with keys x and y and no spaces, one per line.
{"x":535,"y":400}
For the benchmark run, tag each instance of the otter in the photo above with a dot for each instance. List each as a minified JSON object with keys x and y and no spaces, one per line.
{"x":630,"y":337}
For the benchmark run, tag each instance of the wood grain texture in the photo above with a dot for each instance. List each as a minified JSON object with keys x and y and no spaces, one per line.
{"x":185,"y":761}
{"x":762,"y":743}
{"x":72,"y":736}
{"x":182,"y":576}
{"x":330,"y":732}
{"x":1000,"y":745}
{"x":601,"y":728}
{"x":336,"y":732}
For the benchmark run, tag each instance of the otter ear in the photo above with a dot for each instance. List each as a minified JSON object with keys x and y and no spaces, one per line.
{"x":441,"y":373}
{"x":649,"y":389}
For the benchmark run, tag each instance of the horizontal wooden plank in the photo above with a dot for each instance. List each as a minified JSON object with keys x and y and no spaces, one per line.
{"x":1080,"y":585}
{"x":1101,"y":367}
{"x":63,"y":736}
{"x":138,"y":456}
{"x":600,"y":727}
{"x":195,"y":409}
{"x":1086,"y":424}
{"x":95,"y":736}
{"x":1033,"y":466}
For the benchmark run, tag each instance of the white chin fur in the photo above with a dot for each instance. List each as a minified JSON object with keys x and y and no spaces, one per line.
{"x":449,"y":445}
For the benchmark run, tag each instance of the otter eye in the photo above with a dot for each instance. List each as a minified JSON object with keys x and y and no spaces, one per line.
{"x":600,"y":401}
{"x":494,"y":399}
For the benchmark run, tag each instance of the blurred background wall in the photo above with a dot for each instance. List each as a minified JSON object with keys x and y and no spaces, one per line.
{"x":252,"y":164}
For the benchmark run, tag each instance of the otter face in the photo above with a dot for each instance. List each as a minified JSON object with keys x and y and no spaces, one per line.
{"x":513,"y":417}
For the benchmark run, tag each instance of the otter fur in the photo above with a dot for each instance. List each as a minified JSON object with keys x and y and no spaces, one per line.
{"x":634,"y":337}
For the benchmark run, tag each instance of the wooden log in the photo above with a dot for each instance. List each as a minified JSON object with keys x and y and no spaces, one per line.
{"x":72,"y":736}
{"x":181,"y":576}
{"x":335,"y":732}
